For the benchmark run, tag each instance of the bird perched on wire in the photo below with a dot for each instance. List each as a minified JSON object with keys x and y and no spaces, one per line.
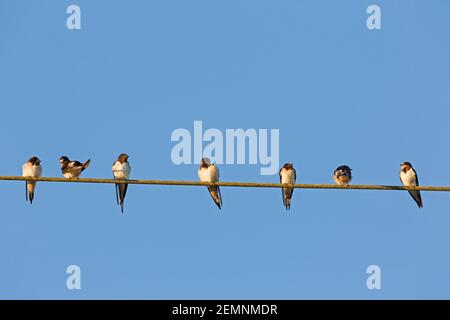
{"x":210,"y":173}
{"x":121,"y":170}
{"x":32,"y":168}
{"x":342,"y":175}
{"x":408,"y":177}
{"x":72,"y":169}
{"x":287,"y":175}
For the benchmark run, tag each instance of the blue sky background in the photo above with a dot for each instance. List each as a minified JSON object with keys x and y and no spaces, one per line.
{"x":137,"y":70}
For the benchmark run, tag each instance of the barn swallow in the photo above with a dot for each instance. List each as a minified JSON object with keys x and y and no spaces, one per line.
{"x":287,"y":175}
{"x":210,"y":173}
{"x":32,"y":168}
{"x":72,"y":169}
{"x":342,"y":175}
{"x":121,"y":170}
{"x":408,"y":177}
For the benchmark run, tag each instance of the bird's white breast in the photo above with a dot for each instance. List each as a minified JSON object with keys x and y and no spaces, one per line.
{"x":210,"y":174}
{"x":68,"y":175}
{"x":287,"y":176}
{"x":121,"y":170}
{"x":30,"y":170}
{"x":408,"y":178}
{"x":26,"y":170}
{"x":203,"y":174}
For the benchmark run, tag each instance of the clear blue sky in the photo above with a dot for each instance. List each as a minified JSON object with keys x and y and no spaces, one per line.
{"x":137,"y":70}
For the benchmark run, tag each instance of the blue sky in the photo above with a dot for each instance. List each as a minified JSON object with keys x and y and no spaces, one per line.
{"x":137,"y":70}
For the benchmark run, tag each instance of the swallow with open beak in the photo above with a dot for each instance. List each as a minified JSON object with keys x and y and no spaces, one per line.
{"x":32,"y":168}
{"x":121,"y":170}
{"x":210,"y":173}
{"x":342,"y":175}
{"x":287,"y":176}
{"x":408,"y":177}
{"x":72,"y":169}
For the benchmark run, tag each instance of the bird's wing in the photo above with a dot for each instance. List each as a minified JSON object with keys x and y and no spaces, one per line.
{"x":128,"y":170}
{"x":38,"y":172}
{"x":75,"y":164}
{"x":416,"y":194}
{"x":295,"y":179}
{"x":213,"y":173}
{"x":417,"y":178}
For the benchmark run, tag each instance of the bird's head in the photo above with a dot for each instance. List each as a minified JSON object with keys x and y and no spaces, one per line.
{"x":288,"y":166}
{"x":205,"y":162}
{"x":123,"y":158}
{"x":35,"y":161}
{"x":405,"y":166}
{"x":63,"y":160}
{"x":343,"y":170}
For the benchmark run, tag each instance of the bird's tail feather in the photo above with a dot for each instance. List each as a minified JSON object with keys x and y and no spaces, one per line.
{"x":123,"y":187}
{"x":117,"y":192}
{"x":287,"y":196}
{"x":215,"y":195}
{"x":86,"y":164}
{"x":288,"y":203}
{"x":30,"y":191}
{"x":417,"y":198}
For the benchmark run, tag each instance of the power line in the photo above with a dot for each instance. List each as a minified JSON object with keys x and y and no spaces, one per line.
{"x":226,"y":184}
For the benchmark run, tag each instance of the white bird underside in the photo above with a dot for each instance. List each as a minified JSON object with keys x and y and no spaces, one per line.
{"x":210,"y":174}
{"x":121,"y":170}
{"x":73,"y":173}
{"x":287,"y":176}
{"x":30,"y":170}
{"x":408,"y":178}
